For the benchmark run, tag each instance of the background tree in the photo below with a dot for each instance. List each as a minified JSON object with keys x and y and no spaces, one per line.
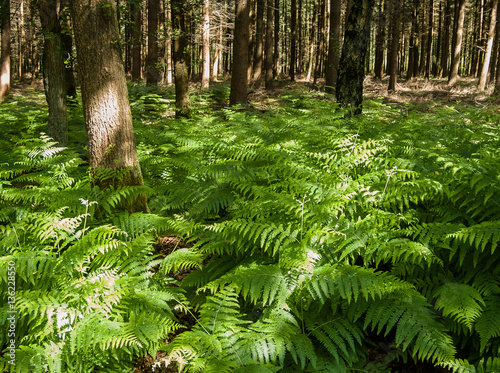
{"x":269,"y":45}
{"x":179,"y":46}
{"x":54,"y":70}
{"x":239,"y":80}
{"x":135,"y":11}
{"x":489,"y":47}
{"x":5,"y":49}
{"x":394,"y":28}
{"x":152,"y":68}
{"x":457,"y":44}
{"x":106,"y":107}
{"x":293,"y":39}
{"x":352,"y":61}
{"x":259,"y":42}
{"x":332,"y":63}
{"x":205,"y":79}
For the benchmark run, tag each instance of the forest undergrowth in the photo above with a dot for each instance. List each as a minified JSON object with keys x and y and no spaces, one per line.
{"x":282,"y":237}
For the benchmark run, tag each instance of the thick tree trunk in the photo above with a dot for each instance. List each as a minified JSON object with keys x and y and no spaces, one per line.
{"x":394,"y":30}
{"x":179,"y":45}
{"x":5,"y":50}
{"x":152,"y":69}
{"x":54,"y":72}
{"x":459,"y":27}
{"x":205,"y":76}
{"x":489,"y":47}
{"x":269,"y":46}
{"x":106,"y":108}
{"x":239,"y":77}
{"x":293,"y":39}
{"x":332,"y":63}
{"x":135,"y":9}
{"x":352,"y":62}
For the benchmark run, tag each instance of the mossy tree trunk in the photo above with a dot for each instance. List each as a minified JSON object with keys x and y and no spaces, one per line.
{"x":106,"y":107}
{"x":349,"y":90}
{"x":54,"y":71}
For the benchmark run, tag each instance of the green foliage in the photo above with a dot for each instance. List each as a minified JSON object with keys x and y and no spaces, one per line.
{"x":313,"y":241}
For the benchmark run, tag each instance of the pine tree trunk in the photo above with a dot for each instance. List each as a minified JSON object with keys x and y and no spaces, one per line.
{"x":269,"y":46}
{"x":54,"y":72}
{"x":106,"y":108}
{"x":393,"y":57}
{"x":239,"y":77}
{"x":496,"y":47}
{"x":205,"y":76}
{"x":446,"y":40}
{"x":352,"y":61}
{"x":489,"y":47}
{"x":259,"y":42}
{"x":276,"y":38}
{"x":332,"y":63}
{"x":152,"y":68}
{"x":5,"y":49}
{"x":136,"y":40}
{"x":429,"y":41}
{"x":293,"y":39}
{"x":179,"y":54}
{"x":455,"y":63}
{"x":321,"y":42}
{"x":380,"y":41}
{"x":169,"y":45}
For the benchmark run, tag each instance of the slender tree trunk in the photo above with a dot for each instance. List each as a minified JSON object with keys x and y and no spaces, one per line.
{"x":429,"y":41}
{"x":179,"y":45}
{"x":496,"y":91}
{"x":169,"y":45}
{"x":435,"y":62}
{"x":293,"y":39}
{"x":269,"y":45}
{"x":312,"y":43}
{"x":5,"y":50}
{"x":412,"y":47}
{"x":276,"y":38}
{"x":152,"y":69}
{"x":352,"y":62}
{"x":259,"y":42}
{"x":239,"y":82}
{"x":380,"y":41}
{"x":455,"y":63}
{"x":394,"y":29}
{"x":106,"y":108}
{"x":54,"y":73}
{"x":205,"y":77}
{"x":446,"y":40}
{"x":136,"y":40}
{"x":300,"y":40}
{"x":489,"y":47}
{"x":496,"y":47}
{"x":251,"y":39}
{"x":321,"y":41}
{"x":332,"y":63}
{"x":416,"y":40}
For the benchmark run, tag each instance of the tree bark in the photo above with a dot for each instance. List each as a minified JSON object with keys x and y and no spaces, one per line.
{"x":152,"y":68}
{"x":489,"y":47}
{"x":455,"y":62}
{"x":106,"y":108}
{"x":429,"y":41}
{"x":5,"y":50}
{"x":332,"y":63}
{"x":135,"y":9}
{"x":205,"y":76}
{"x":259,"y":43}
{"x":352,"y":61}
{"x":394,"y":29}
{"x":446,"y":40}
{"x":293,"y":39}
{"x":269,"y":46}
{"x":380,"y":41}
{"x":179,"y":54}
{"x":321,"y":41}
{"x":239,"y":77}
{"x":54,"y":72}
{"x":276,"y":38}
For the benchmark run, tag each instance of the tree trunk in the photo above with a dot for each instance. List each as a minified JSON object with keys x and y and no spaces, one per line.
{"x":455,"y":63}
{"x":352,"y":62}
{"x":54,"y":73}
{"x":5,"y":50}
{"x":489,"y":47}
{"x":106,"y":108}
{"x":496,"y":47}
{"x":169,"y":45}
{"x":446,"y":40}
{"x":179,"y":54}
{"x":293,"y":39}
{"x":205,"y":76}
{"x":239,"y":81}
{"x":259,"y":42}
{"x":276,"y":38}
{"x":380,"y":41}
{"x":429,"y":41}
{"x":332,"y":63}
{"x":321,"y":41}
{"x":394,"y":30}
{"x":135,"y":9}
{"x":269,"y":46}
{"x":152,"y":69}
